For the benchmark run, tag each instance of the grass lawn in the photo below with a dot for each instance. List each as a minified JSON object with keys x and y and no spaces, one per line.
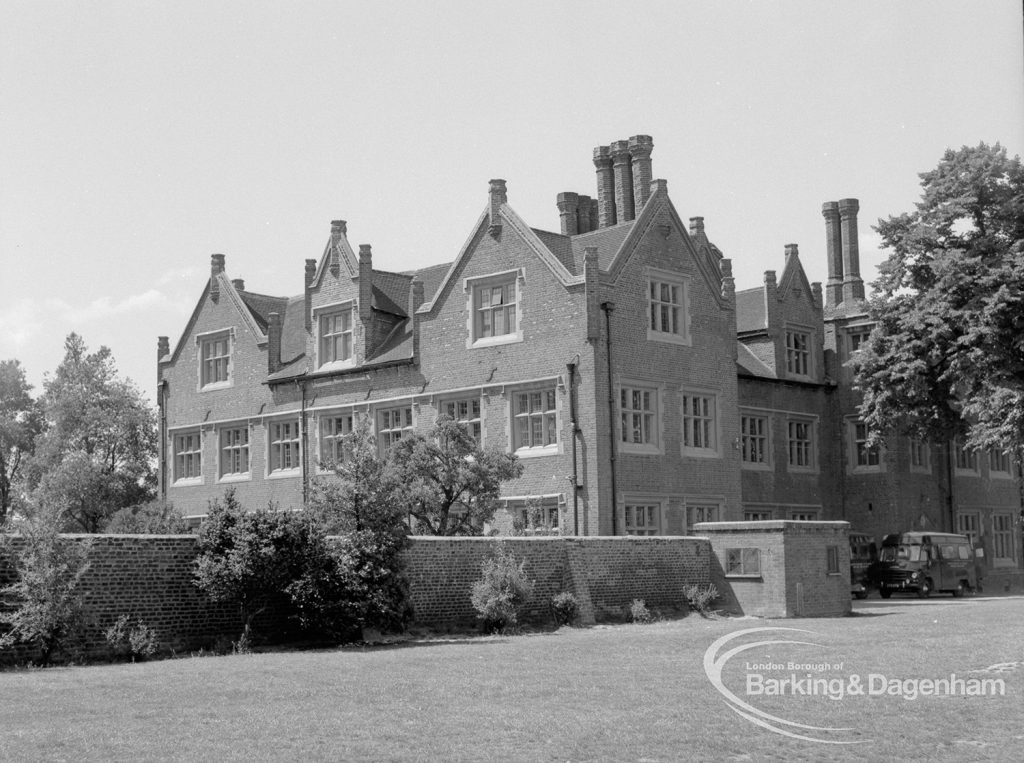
{"x":629,"y":692}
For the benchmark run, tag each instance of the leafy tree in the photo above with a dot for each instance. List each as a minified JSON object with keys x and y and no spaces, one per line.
{"x":20,"y":422}
{"x":946,"y":355}
{"x":502,"y":591}
{"x":361,"y":494}
{"x":98,"y":450}
{"x":152,"y":518}
{"x":47,"y":601}
{"x":446,"y":482}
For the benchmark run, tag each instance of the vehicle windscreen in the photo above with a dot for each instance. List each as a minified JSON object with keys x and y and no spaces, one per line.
{"x":900,"y":554}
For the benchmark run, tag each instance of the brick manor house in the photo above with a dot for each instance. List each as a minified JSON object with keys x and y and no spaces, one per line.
{"x":615,"y":357}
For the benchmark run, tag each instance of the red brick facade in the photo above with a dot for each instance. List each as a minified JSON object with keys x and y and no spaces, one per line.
{"x":627,"y":316}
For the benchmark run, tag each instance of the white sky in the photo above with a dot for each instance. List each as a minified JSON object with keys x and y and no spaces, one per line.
{"x":137,"y":138}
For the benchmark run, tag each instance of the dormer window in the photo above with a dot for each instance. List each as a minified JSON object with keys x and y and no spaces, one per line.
{"x":798,"y":353}
{"x":668,"y":307}
{"x":214,"y":360}
{"x":495,"y":309}
{"x":335,"y":344}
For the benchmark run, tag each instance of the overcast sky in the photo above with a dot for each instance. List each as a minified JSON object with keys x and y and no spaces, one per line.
{"x":137,"y":138}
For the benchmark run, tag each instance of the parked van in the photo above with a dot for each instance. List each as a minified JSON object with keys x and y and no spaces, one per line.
{"x":863,"y":553}
{"x":923,"y":562}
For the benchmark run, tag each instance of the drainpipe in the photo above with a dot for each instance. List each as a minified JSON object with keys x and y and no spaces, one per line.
{"x":951,"y":475}
{"x":161,"y":396}
{"x":571,"y":368}
{"x":303,"y":442}
{"x":608,"y":307}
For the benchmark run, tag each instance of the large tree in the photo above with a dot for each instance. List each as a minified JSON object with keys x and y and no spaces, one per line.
{"x":20,"y":422}
{"x":446,"y":482}
{"x":98,"y":450}
{"x":946,"y":356}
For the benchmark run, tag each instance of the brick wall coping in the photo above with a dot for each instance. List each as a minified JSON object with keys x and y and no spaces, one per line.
{"x":550,"y":538}
{"x":769,"y":525}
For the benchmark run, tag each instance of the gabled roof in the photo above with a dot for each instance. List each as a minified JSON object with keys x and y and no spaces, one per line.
{"x":262,"y":305}
{"x":793,"y":276}
{"x":750,"y":310}
{"x":530,"y":237}
{"x":750,"y":364}
{"x":641,"y":228}
{"x":253,"y":319}
{"x":607,"y":240}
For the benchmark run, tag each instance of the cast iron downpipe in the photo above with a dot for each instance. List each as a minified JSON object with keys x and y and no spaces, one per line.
{"x":571,"y":368}
{"x":608,"y":307}
{"x":303,"y":442}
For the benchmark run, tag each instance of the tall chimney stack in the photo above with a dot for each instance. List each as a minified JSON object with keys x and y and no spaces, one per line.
{"x":216,"y":268}
{"x":623,"y":181}
{"x":568,"y":210}
{"x":339,"y":229}
{"x":853,"y":286}
{"x":583,"y":214}
{"x":605,"y":186}
{"x":834,"y":252}
{"x":274,"y":342}
{"x":640,"y":148}
{"x":310,"y":274}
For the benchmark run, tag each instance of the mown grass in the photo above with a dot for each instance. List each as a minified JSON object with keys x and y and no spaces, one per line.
{"x":626,"y":692}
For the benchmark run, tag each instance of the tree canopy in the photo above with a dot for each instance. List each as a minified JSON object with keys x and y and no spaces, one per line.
{"x":97,"y":452}
{"x":20,"y":421}
{"x":446,"y":482}
{"x":946,"y":356}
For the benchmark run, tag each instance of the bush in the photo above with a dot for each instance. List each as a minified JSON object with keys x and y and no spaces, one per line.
{"x":502,"y":592}
{"x":46,"y":598}
{"x":640,"y":613}
{"x":138,"y":641}
{"x":700,"y":597}
{"x":566,"y":608}
{"x":153,"y":518}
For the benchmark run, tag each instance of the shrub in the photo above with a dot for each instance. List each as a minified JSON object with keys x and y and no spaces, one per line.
{"x":566,"y":608}
{"x":46,"y":598}
{"x":248,"y":559}
{"x":639,"y":612}
{"x":502,"y":592}
{"x":137,"y":641}
{"x":153,"y":518}
{"x":700,"y":597}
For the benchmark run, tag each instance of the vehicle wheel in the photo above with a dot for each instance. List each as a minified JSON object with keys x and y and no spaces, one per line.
{"x":861,"y":594}
{"x":884,"y":593}
{"x":925,"y":590}
{"x":960,"y":590}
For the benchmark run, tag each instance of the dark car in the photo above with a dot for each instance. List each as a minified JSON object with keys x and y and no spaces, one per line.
{"x":922,"y":563}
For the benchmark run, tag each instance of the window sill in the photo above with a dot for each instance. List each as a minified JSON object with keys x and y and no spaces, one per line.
{"x":187,"y":482}
{"x":282,"y":474}
{"x":216,"y":386}
{"x":755,"y":467}
{"x":700,"y":453}
{"x":740,"y":576}
{"x":682,"y":340}
{"x":246,"y":477}
{"x":802,"y":469}
{"x":866,"y":470}
{"x":492,"y":341}
{"x":336,"y":365}
{"x":547,"y":450}
{"x":633,"y":449}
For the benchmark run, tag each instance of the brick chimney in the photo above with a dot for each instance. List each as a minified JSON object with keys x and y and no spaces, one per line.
{"x":216,"y":268}
{"x":853,"y":286}
{"x":697,"y":230}
{"x":605,"y":186}
{"x":365,"y":284}
{"x":623,"y":171}
{"x":640,"y":148}
{"x":834,"y":252}
{"x":415,"y":302}
{"x":792,"y":250}
{"x":238,"y":283}
{"x":583,"y":211}
{"x":163,"y":347}
{"x":274,"y":343}
{"x":310,"y":274}
{"x":592,"y":288}
{"x":498,"y":195}
{"x":568,"y":211}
